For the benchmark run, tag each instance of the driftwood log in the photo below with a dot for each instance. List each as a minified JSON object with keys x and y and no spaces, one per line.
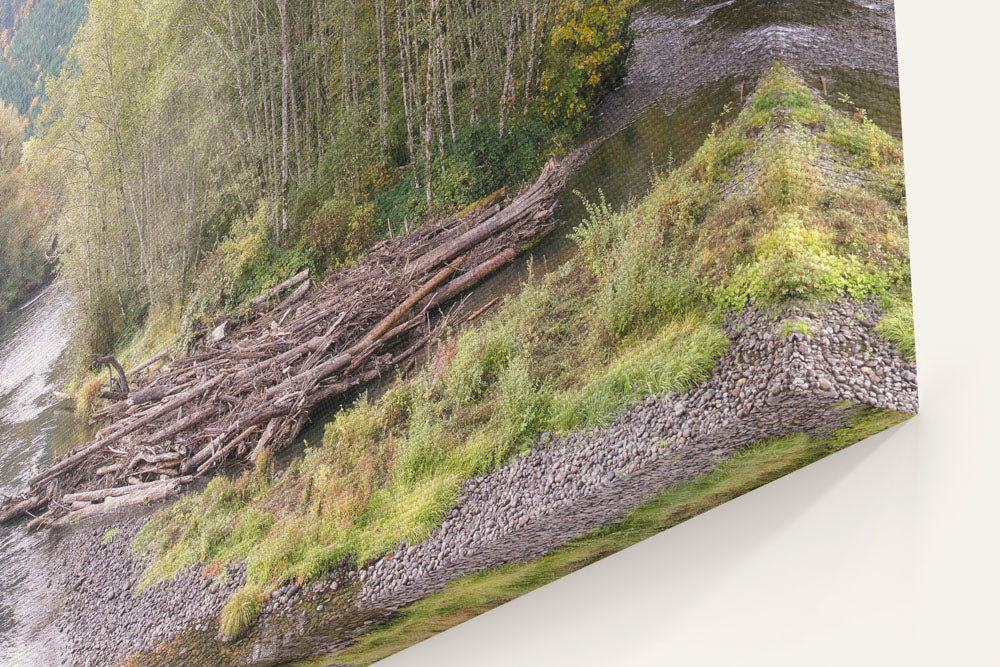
{"x":252,"y":389}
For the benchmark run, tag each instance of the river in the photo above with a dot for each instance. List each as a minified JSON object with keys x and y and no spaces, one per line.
{"x":35,"y":424}
{"x":690,"y":62}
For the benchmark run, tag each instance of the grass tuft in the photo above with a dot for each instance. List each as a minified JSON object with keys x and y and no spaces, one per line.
{"x":240,"y":611}
{"x":86,"y":394}
{"x":799,"y":325}
{"x":896,"y":325}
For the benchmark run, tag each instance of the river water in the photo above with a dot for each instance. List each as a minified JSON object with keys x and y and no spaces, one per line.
{"x":691,"y":60}
{"x":35,"y":424}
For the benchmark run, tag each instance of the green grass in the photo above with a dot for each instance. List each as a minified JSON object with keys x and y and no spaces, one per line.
{"x":240,"y":611}
{"x":896,"y":324}
{"x":110,"y":535}
{"x":218,"y":525}
{"x":798,"y":325}
{"x":471,"y":595}
{"x":637,"y":311}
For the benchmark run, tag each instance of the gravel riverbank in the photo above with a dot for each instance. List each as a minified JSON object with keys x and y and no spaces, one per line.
{"x":104,"y":618}
{"x":768,"y":383}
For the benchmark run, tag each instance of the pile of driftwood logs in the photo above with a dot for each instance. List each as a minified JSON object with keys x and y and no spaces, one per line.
{"x":251,"y":383}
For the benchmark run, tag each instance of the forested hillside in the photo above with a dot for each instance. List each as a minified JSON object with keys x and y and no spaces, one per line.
{"x":211,"y":147}
{"x":23,"y":234}
{"x":35,"y":36}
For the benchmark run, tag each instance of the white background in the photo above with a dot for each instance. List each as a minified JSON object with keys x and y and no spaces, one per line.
{"x":887,"y":553}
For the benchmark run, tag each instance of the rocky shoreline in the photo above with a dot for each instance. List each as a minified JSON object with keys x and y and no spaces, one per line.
{"x":774,"y":379}
{"x":105,"y":618}
{"x":766,"y":385}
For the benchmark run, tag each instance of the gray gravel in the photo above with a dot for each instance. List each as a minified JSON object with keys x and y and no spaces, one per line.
{"x":105,"y":619}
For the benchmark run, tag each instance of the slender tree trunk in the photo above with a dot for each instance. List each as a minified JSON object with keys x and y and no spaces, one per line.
{"x":446,"y":66}
{"x":473,"y":60}
{"x":428,"y":110}
{"x":508,"y":77}
{"x":408,"y":101}
{"x":383,"y":85}
{"x":529,"y":77}
{"x":283,"y":11}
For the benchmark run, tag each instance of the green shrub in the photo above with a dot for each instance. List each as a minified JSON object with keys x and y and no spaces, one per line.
{"x":480,"y":358}
{"x":337,"y":232}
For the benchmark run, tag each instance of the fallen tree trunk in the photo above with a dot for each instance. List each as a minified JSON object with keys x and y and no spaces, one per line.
{"x":276,"y":291}
{"x":98,"y":495}
{"x":22,"y":507}
{"x":161,"y":492}
{"x":490,"y":227}
{"x":149,"y":362}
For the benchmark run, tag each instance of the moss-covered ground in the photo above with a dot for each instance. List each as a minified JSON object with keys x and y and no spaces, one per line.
{"x":792,"y":202}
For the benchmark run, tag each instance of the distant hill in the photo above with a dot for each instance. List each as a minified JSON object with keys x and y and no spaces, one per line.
{"x":35,"y":36}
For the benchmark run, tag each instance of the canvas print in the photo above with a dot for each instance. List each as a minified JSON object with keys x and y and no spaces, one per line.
{"x":327,"y":326}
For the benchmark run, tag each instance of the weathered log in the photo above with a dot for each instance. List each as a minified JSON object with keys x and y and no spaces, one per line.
{"x":152,"y":460}
{"x":136,"y":398}
{"x":161,"y":471}
{"x":470,"y":278}
{"x":325,"y":393}
{"x":402,"y":309}
{"x":109,"y":469}
{"x":39,"y":521}
{"x":505,"y":218}
{"x":193,"y":419}
{"x":265,"y":440}
{"x":275,"y":291}
{"x":98,"y":495}
{"x":297,"y":295}
{"x":163,"y":490}
{"x":22,"y":507}
{"x":152,"y":394}
{"x":149,"y":362}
